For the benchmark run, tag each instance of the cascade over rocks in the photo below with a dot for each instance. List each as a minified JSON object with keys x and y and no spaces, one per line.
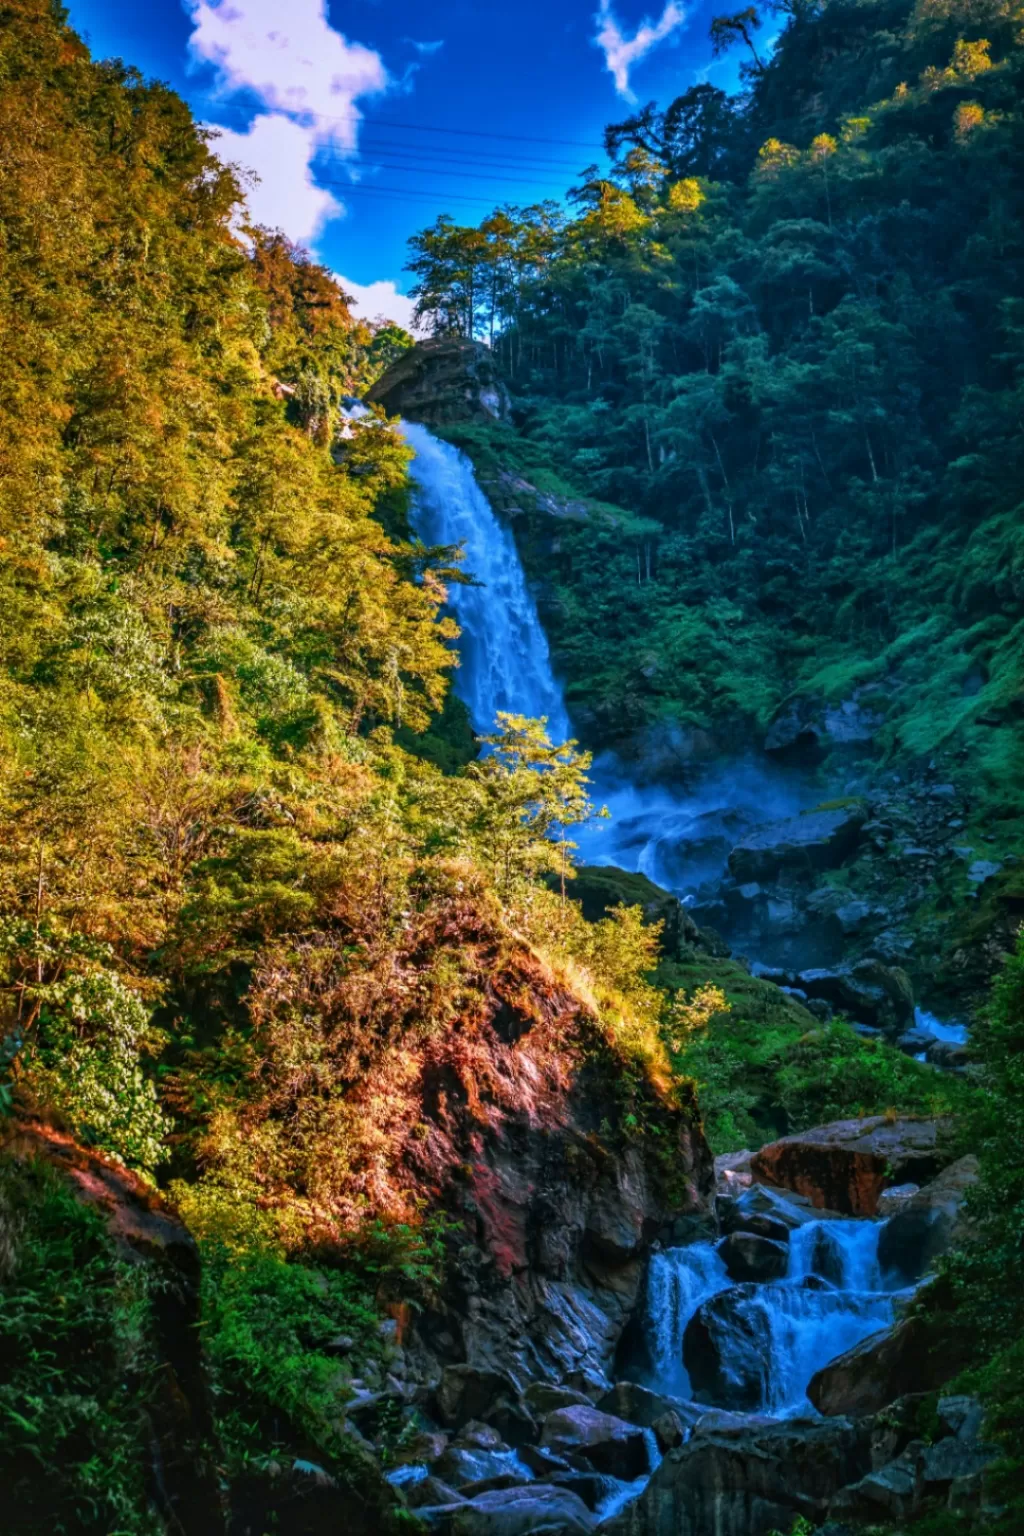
{"x":845,"y":1166}
{"x":441,"y":381}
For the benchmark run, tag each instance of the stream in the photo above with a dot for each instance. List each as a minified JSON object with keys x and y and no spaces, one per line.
{"x":767,"y":1339}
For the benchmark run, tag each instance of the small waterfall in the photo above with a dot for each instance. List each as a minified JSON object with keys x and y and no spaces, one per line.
{"x":845,"y":1253}
{"x":678,"y":1281}
{"x":505,"y":661}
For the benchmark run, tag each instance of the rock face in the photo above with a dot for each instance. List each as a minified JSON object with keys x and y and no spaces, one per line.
{"x":554,"y":1204}
{"x":610,"y":1445}
{"x":805,"y":727}
{"x":888,"y":1365}
{"x":928,"y":1223}
{"x":146,"y":1231}
{"x":845,"y":1166}
{"x":747,"y":1481}
{"x":443,"y":381}
{"x":533,"y":1511}
{"x":814,"y":841}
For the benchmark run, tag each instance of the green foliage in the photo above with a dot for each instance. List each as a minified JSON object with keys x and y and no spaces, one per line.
{"x":74,"y":1359}
{"x":755,"y":337}
{"x":764,"y":1067}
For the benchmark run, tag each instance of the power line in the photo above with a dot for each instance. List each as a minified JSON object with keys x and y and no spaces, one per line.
{"x":469,"y":133}
{"x":465,"y":157}
{"x":425,"y":170}
{"x":403,"y":194}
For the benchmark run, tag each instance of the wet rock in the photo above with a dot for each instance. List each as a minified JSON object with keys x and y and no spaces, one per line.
{"x":543,"y":1397}
{"x":543,"y":1464}
{"x":732,"y":1172}
{"x":638,"y":1405}
{"x":460,"y":1468}
{"x":479,"y":1437}
{"x":747,"y":1481}
{"x":846,"y":1165}
{"x":429,"y":1490}
{"x":669,"y":1431}
{"x":468,"y":1392}
{"x":764,"y":1211}
{"x":892,"y":1200}
{"x":870,"y":991}
{"x":929,"y":1223}
{"x":443,"y":380}
{"x":916,"y":1042}
{"x":893,"y":1363}
{"x":803,"y":844}
{"x":950,"y":1055}
{"x":591,"y":1487}
{"x":725,"y":1345}
{"x":539,"y":1510}
{"x":749,"y":1257}
{"x":611,"y":1445}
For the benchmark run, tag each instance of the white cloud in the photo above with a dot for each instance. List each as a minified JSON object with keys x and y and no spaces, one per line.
{"x":621,"y":52}
{"x":372,"y":300}
{"x":308,"y":77}
{"x":284,"y":194}
{"x":425,"y":48}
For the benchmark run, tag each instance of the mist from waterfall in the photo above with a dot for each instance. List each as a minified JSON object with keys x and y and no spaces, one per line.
{"x":676,"y":837}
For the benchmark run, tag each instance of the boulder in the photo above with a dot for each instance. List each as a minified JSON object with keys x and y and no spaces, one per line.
{"x":891,"y":1492}
{"x":429,"y":1490}
{"x":638,"y":1405}
{"x":800,"y":845}
{"x":610,"y":1445}
{"x":764,"y":1212}
{"x":669,"y":1431}
{"x":871,"y":992}
{"x":461,"y":1468}
{"x":725,"y":1345}
{"x":893,"y":1363}
{"x":444,"y":380}
{"x":539,"y":1510}
{"x":747,"y":1481}
{"x":928,"y":1223}
{"x":805,"y":728}
{"x":846,"y":1165}
{"x":543,"y":1397}
{"x":749,"y":1257}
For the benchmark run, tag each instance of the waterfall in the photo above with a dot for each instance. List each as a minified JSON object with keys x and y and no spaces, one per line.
{"x":677,"y":839}
{"x":678,"y":1281}
{"x":505,"y":661}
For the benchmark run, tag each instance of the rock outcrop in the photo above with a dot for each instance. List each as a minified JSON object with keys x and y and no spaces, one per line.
{"x":145,"y":1231}
{"x":553,"y":1201}
{"x":747,"y":1481}
{"x":928,"y":1223}
{"x":443,"y":381}
{"x":815,"y":841}
{"x":889,"y":1365}
{"x":845,"y":1166}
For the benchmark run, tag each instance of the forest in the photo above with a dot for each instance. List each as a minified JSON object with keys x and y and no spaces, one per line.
{"x":289,"y":960}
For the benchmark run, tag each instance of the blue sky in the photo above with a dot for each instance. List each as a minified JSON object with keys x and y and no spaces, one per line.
{"x":364,"y":121}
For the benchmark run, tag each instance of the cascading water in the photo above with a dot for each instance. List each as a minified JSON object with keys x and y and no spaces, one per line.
{"x":505,"y":662}
{"x":678,"y":1281}
{"x":678,"y":840}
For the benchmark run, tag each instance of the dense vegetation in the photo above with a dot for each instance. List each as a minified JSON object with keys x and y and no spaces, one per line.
{"x":247,"y":868}
{"x":784,"y":333}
